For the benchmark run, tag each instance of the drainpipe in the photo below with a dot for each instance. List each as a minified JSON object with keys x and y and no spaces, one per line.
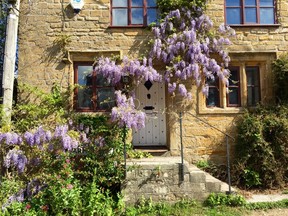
{"x":10,"y":58}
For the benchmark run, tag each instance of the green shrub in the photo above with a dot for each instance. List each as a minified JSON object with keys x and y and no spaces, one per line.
{"x":218,"y":199}
{"x":261,"y":149}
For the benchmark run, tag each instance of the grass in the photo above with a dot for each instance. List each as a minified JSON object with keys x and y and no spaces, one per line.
{"x":188,"y":207}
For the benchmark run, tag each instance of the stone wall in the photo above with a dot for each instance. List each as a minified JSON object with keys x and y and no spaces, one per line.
{"x":40,"y":62}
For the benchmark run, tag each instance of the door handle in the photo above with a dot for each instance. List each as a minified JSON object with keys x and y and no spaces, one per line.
{"x":148,"y":108}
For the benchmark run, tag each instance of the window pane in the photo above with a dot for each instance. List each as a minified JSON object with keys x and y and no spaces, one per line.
{"x":267,"y":16}
{"x":253,"y":88}
{"x":234,"y":78}
{"x":250,"y":3}
{"x":233,"y":16}
{"x":84,"y":97}
{"x":234,"y":96}
{"x":105,"y":98}
{"x":151,"y":16}
{"x":250,"y":15}
{"x":119,"y":3}
{"x":137,"y":16}
{"x":151,"y":3}
{"x":101,"y":81}
{"x":232,"y":2}
{"x":84,"y":75}
{"x":213,"y":98}
{"x":266,"y":2}
{"x":137,"y":3}
{"x":120,"y":17}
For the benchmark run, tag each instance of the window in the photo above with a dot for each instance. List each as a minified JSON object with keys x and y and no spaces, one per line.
{"x":234,"y":96}
{"x":247,"y":12}
{"x":93,"y":93}
{"x":237,"y":89}
{"x":133,"y":12}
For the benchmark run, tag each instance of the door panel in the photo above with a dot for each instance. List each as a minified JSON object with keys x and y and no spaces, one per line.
{"x":150,"y":98}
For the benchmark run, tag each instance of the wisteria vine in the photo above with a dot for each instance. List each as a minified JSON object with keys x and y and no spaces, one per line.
{"x":184,"y":43}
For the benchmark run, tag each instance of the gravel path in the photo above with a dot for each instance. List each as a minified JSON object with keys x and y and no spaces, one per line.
{"x":271,"y":212}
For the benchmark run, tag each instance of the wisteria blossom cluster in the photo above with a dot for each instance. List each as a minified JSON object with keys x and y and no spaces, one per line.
{"x":183,"y":41}
{"x":140,"y":70}
{"x":125,"y":112}
{"x":17,"y":145}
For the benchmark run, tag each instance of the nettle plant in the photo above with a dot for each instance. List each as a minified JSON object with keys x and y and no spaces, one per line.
{"x":183,"y":41}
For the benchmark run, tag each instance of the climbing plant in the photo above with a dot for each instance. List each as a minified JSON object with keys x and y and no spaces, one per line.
{"x":183,"y":41}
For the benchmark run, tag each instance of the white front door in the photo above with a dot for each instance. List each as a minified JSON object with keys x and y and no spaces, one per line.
{"x":150,"y":98}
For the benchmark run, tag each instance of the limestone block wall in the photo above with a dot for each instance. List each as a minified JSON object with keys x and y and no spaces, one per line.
{"x":40,"y":61}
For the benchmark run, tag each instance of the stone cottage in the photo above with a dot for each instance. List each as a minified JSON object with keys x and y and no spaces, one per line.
{"x":59,"y":45}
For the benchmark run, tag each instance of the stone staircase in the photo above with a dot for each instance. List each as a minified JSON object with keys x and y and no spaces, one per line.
{"x":159,"y":178}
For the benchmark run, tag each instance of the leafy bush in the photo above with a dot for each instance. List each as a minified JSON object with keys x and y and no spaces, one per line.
{"x":280,"y":70}
{"x":35,"y":108}
{"x":217,"y":199}
{"x":55,"y":162}
{"x":261,"y":150}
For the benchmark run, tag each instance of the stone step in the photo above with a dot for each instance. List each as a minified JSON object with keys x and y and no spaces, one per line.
{"x":160,"y":178}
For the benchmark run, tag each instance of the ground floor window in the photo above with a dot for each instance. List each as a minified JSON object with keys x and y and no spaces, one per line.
{"x":93,"y":92}
{"x":243,"y":89}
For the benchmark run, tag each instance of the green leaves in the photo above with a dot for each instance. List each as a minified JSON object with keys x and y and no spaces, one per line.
{"x":261,"y":149}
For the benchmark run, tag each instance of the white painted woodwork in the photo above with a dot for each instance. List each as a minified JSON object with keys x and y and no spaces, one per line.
{"x":154,"y":133}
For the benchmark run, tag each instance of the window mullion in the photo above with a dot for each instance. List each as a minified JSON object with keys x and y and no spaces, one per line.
{"x":258,"y":11}
{"x":242,"y":12}
{"x":145,"y":10}
{"x":129,"y":12}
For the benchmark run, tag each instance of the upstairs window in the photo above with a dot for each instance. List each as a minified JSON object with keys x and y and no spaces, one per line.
{"x":133,"y":12}
{"x":93,"y":93}
{"x":250,"y":12}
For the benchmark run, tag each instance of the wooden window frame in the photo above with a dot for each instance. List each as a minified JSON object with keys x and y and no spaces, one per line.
{"x":238,"y":86}
{"x":242,"y":13}
{"x":129,"y":9}
{"x":94,"y":88}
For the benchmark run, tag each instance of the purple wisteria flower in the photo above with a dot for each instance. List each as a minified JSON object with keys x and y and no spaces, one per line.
{"x":17,"y":159}
{"x":10,"y":138}
{"x":126,"y":114}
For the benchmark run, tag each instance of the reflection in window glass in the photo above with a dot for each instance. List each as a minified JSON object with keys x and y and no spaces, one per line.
{"x":250,"y":15}
{"x":234,"y":87}
{"x":266,"y":15}
{"x":151,"y":3}
{"x":105,"y":98}
{"x":84,"y":73}
{"x":233,"y":16}
{"x":266,"y":3}
{"x":213,"y":99}
{"x":84,"y":97}
{"x":250,"y":3}
{"x":120,"y":17}
{"x":137,"y":3}
{"x":137,"y":16}
{"x":119,"y":3}
{"x":253,"y":86}
{"x":151,"y":16}
{"x":232,"y":2}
